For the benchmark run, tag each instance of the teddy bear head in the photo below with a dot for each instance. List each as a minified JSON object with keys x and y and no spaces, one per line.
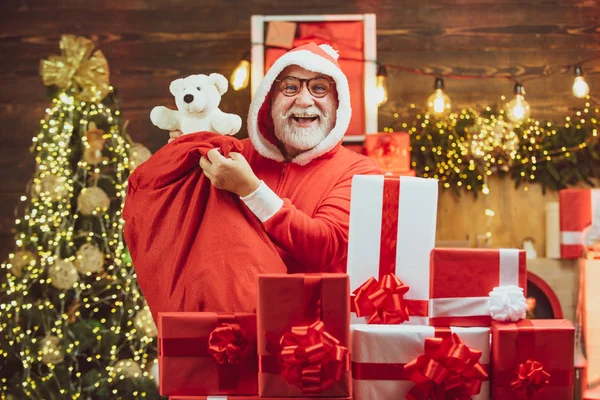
{"x":198,"y":94}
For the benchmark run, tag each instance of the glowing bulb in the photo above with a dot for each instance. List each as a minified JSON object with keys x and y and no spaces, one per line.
{"x":381,"y":92}
{"x":518,"y":109}
{"x":439,"y":103}
{"x":241,"y":75}
{"x":580,"y":86}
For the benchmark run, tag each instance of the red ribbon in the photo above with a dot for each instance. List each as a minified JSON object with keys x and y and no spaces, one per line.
{"x":531,"y":378}
{"x":382,"y":301}
{"x":228,"y":344}
{"x":449,"y":370}
{"x":312,"y":358}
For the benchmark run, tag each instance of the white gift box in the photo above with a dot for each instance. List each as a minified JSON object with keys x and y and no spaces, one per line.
{"x":406,"y":222}
{"x":399,"y":345}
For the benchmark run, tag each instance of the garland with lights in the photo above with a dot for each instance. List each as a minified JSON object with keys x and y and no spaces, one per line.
{"x":74,"y":322}
{"x":462,"y":149}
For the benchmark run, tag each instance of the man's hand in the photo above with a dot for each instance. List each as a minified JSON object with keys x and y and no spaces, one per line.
{"x":232,"y":174}
{"x":174,"y":135}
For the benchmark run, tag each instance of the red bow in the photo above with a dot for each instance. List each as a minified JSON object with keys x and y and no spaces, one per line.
{"x":449,"y":370}
{"x":386,"y":146}
{"x":383,"y":301}
{"x":531,"y":378}
{"x":227,"y":343}
{"x":312,"y":358}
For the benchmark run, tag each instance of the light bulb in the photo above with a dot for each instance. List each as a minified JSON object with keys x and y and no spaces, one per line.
{"x":381,"y":92}
{"x":439,"y":103}
{"x":241,"y":75}
{"x":518,"y":109}
{"x":580,"y":86}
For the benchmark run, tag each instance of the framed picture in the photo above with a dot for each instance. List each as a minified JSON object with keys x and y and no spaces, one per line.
{"x":354,"y":36}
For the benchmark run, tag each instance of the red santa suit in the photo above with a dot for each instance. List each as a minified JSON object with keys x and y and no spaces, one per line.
{"x":197,"y":248}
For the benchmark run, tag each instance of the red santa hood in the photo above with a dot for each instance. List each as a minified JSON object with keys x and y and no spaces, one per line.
{"x":321,"y":59}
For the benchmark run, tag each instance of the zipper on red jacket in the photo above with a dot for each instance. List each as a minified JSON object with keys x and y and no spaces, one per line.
{"x":281,"y":178}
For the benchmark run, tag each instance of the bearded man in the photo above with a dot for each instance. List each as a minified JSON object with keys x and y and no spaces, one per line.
{"x":293,"y":173}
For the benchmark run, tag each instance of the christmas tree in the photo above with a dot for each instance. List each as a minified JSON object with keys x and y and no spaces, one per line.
{"x":73,"y":321}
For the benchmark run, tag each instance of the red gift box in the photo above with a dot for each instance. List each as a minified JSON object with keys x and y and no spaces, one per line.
{"x":461,"y":280}
{"x":391,"y":151}
{"x":247,"y":398}
{"x":203,"y":353}
{"x":303,"y":335}
{"x":533,"y":359}
{"x":577,"y":209}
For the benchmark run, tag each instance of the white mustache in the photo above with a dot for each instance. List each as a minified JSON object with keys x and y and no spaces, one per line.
{"x":304,"y":112}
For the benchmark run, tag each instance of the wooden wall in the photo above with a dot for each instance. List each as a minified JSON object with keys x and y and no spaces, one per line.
{"x":150,"y":42}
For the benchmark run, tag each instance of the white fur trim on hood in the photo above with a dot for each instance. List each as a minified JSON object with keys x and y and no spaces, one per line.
{"x":315,"y":63}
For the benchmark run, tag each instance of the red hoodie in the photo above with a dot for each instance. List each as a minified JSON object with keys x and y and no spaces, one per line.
{"x":310,"y":231}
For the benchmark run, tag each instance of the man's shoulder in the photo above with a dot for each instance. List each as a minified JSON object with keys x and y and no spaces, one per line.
{"x":356,"y":163}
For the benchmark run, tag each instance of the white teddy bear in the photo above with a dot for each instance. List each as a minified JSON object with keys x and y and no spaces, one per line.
{"x":197,"y":98}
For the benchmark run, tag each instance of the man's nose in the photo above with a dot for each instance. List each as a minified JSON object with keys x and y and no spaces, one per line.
{"x":304,"y":98}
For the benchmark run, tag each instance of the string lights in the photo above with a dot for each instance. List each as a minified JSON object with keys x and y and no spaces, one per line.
{"x":240,"y":76}
{"x":439,"y":103}
{"x":580,"y":86}
{"x":381,"y":89}
{"x":518,"y":109}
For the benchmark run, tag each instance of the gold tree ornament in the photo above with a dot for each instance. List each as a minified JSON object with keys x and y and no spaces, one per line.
{"x":138,"y":153}
{"x":20,"y":260}
{"x":51,"y":350}
{"x":144,"y":324}
{"x":51,"y":186}
{"x":92,"y":199}
{"x":128,"y":368}
{"x":63,"y":274}
{"x":78,"y":67}
{"x":89,"y":259}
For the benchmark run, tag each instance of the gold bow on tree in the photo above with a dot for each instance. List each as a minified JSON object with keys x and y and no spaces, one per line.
{"x":77,"y":68}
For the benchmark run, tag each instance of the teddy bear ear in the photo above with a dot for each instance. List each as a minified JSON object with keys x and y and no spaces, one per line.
{"x":176,"y":86}
{"x":219,"y":81}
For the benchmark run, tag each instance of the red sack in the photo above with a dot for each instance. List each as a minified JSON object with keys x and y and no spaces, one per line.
{"x":193,"y":247}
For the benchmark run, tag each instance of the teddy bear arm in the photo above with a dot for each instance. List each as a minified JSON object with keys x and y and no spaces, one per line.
{"x":165,"y":118}
{"x":226,"y":124}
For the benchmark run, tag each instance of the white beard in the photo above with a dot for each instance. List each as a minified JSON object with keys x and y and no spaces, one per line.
{"x":298,"y":137}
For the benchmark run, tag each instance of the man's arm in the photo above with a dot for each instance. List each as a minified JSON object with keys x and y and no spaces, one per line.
{"x":319,"y":241}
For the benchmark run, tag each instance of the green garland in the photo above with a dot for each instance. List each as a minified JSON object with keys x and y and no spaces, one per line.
{"x":462,"y":149}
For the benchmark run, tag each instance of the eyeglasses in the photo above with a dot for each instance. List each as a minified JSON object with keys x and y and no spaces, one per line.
{"x":318,"y":87}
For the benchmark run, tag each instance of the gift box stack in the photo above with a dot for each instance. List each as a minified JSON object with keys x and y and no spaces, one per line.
{"x":579,"y":223}
{"x":296,"y":346}
{"x":391,"y":152}
{"x":434,"y":323}
{"x":407,"y":321}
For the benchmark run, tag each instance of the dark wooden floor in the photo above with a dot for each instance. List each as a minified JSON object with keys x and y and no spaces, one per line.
{"x":150,"y":42}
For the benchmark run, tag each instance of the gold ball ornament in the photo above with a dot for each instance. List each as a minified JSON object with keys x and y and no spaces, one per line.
{"x":20,"y":260}
{"x":89,"y":259}
{"x":92,"y":199}
{"x":128,"y":367}
{"x":51,"y":350}
{"x":63,"y":274}
{"x":144,"y":324}
{"x":51,"y":186}
{"x":138,"y":153}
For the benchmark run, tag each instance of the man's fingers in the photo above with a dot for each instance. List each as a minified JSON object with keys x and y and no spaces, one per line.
{"x":215,"y":157}
{"x":205,"y":164}
{"x":175,"y":134}
{"x":235,"y":156}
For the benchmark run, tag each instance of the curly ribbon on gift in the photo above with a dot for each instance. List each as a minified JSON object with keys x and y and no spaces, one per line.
{"x":312,"y":359}
{"x":382,"y":301}
{"x":448,"y":370}
{"x":78,"y":68}
{"x":531,"y":378}
{"x":228,"y":344}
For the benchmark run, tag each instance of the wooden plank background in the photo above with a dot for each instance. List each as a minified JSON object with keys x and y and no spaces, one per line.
{"x":151,"y":42}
